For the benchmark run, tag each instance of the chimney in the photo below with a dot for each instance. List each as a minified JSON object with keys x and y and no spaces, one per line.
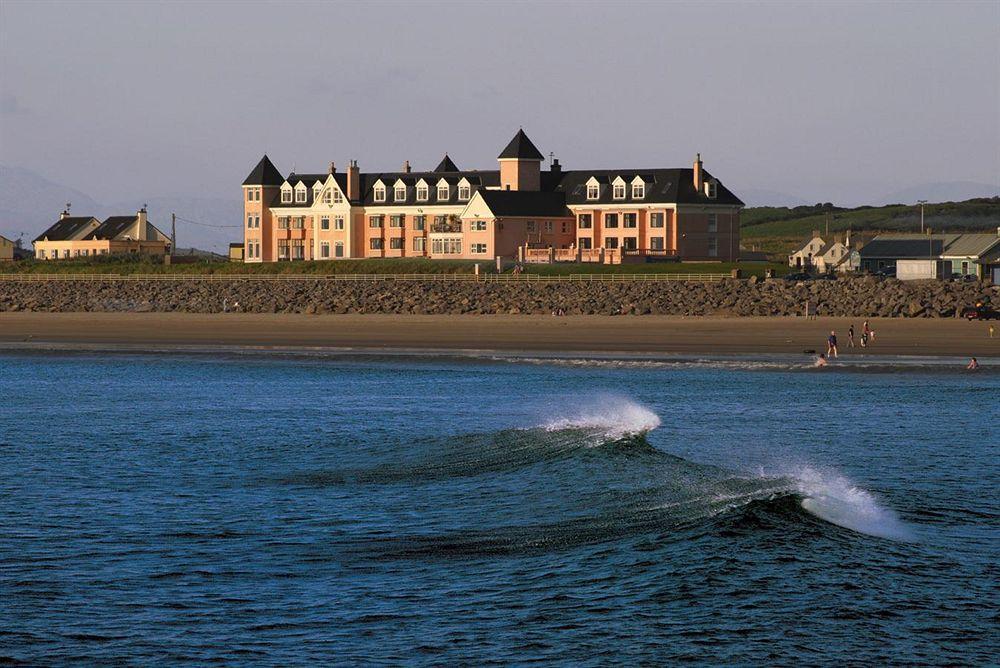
{"x":815,"y":234}
{"x":847,"y":239}
{"x":332,"y":169}
{"x":65,"y":214}
{"x":406,"y":166}
{"x":555,"y":167}
{"x":140,"y":228}
{"x":699,"y":181}
{"x":353,"y":181}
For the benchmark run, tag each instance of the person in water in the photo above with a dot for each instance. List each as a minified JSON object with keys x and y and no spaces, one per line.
{"x":973,"y":364}
{"x":831,"y":344}
{"x":821,"y":360}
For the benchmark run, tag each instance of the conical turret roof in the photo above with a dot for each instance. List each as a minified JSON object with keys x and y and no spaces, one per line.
{"x":520,"y":147}
{"x":264,"y":174}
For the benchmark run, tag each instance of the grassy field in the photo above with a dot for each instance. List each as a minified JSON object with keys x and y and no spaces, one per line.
{"x":779,"y":230}
{"x":373,"y":266}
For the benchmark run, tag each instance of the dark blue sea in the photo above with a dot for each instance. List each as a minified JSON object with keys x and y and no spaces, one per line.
{"x":302,"y":510}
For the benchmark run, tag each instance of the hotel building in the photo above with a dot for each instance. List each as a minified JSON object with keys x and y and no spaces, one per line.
{"x":518,"y":211}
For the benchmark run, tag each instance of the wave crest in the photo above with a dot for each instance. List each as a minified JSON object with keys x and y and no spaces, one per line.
{"x":610,"y":416}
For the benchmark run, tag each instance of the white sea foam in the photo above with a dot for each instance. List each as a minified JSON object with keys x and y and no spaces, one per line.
{"x":611,"y":416}
{"x":837,"y":500}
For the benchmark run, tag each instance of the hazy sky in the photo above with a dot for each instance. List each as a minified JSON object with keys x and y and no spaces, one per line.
{"x":829,"y":101}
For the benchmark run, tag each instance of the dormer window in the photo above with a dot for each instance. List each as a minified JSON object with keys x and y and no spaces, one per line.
{"x":399,"y":193}
{"x":379,"y":192}
{"x":422,"y":192}
{"x":300,"y":194}
{"x":711,"y":189}
{"x":327,"y":196}
{"x":619,"y":191}
{"x":286,"y":195}
{"x":638,"y":189}
{"x":443,"y":191}
{"x":593,"y":191}
{"x":463,"y":192}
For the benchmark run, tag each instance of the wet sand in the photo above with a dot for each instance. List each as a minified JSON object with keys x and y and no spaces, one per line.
{"x":547,"y":334}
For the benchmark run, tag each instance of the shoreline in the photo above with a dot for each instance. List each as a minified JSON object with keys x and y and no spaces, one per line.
{"x":477,"y":335}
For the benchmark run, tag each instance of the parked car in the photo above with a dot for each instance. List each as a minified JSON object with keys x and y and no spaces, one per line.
{"x":798,"y":276}
{"x":959,"y":277}
{"x":980,"y":312}
{"x":886,"y":272}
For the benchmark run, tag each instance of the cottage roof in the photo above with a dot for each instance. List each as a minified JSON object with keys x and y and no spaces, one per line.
{"x":65,"y":228}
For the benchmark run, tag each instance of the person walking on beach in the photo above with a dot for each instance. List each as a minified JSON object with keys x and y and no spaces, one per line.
{"x":850,"y":336}
{"x":831,"y":344}
{"x":867,"y":333}
{"x":991,"y":331}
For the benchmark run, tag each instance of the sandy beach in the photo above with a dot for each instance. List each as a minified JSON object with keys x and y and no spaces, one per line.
{"x":595,"y":334}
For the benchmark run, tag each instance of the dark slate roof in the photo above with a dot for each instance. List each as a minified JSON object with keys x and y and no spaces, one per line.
{"x":521,"y":147}
{"x":446,"y":165}
{"x":925,"y":248}
{"x":65,"y":228}
{"x":662,"y":185}
{"x":264,"y":174}
{"x":525,"y":203}
{"x":112,"y":227}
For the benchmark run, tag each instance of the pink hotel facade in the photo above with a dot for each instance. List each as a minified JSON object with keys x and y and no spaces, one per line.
{"x":517,"y":211}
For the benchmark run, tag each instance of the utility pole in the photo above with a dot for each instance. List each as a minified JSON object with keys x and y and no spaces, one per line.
{"x":921,"y":202}
{"x":173,"y":233}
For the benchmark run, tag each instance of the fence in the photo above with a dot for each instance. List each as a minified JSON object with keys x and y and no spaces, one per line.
{"x":361,"y":278}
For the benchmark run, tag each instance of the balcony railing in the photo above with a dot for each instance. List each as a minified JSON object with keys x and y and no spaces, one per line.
{"x":451,"y":227}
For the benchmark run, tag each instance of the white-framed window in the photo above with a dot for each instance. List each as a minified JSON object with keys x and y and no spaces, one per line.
{"x":316,"y":191}
{"x":656,"y":243}
{"x":379,"y":193}
{"x":256,"y":221}
{"x":477,"y":226}
{"x":256,"y":197}
{"x":446,"y":246}
{"x":298,"y":250}
{"x":249,"y":194}
{"x":711,"y":189}
{"x":286,"y":195}
{"x":337,"y":196}
{"x":328,"y":196}
{"x":299,"y":222}
{"x":375,"y":244}
{"x":338,"y":249}
{"x":443,"y":191}
{"x":250,"y":221}
{"x":338,"y":223}
{"x":630,"y":220}
{"x":422,"y":193}
{"x":713,"y":222}
{"x":656,"y":219}
{"x":324,"y":223}
{"x":618,"y":191}
{"x":324,"y":250}
{"x":630,"y":243}
{"x":610,"y":220}
{"x":478,"y":248}
{"x":463,"y":192}
{"x":283,"y":222}
{"x":419,"y":222}
{"x":593,"y":191}
{"x":374,"y":221}
{"x":611,"y":242}
{"x":713,"y":246}
{"x":548,"y":225}
{"x":419,"y":244}
{"x":300,"y":195}
{"x":396,"y":220}
{"x":585,"y":221}
{"x":282,"y":249}
{"x":399,"y":194}
{"x":638,"y":190}
{"x":396,"y":243}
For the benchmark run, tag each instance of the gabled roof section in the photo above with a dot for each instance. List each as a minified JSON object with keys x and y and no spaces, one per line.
{"x":446,"y":165}
{"x":912,"y":246}
{"x":526,"y":203}
{"x":972,"y":245}
{"x":666,"y":186}
{"x":112,"y":227}
{"x":264,"y":174}
{"x":65,"y":228}
{"x":520,"y":148}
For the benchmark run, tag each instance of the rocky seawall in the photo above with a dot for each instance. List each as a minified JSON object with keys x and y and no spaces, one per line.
{"x":749,"y":297}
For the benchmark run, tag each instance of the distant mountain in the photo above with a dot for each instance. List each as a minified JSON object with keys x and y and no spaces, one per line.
{"x":759,"y":197}
{"x":30,"y":203}
{"x":952,"y":191}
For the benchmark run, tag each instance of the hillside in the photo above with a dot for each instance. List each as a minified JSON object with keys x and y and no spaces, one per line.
{"x":778,"y":230}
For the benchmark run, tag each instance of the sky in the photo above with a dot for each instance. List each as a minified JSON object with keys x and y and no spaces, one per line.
{"x":827,"y":101}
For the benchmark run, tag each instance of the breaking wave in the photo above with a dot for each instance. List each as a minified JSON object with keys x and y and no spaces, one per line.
{"x":609,"y":416}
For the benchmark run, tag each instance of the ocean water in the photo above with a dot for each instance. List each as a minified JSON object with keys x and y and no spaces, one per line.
{"x":295,"y":510}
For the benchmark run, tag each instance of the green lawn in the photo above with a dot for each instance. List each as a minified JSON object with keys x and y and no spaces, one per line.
{"x":373,"y":266}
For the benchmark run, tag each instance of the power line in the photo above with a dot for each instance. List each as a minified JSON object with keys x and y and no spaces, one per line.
{"x":195,"y":222}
